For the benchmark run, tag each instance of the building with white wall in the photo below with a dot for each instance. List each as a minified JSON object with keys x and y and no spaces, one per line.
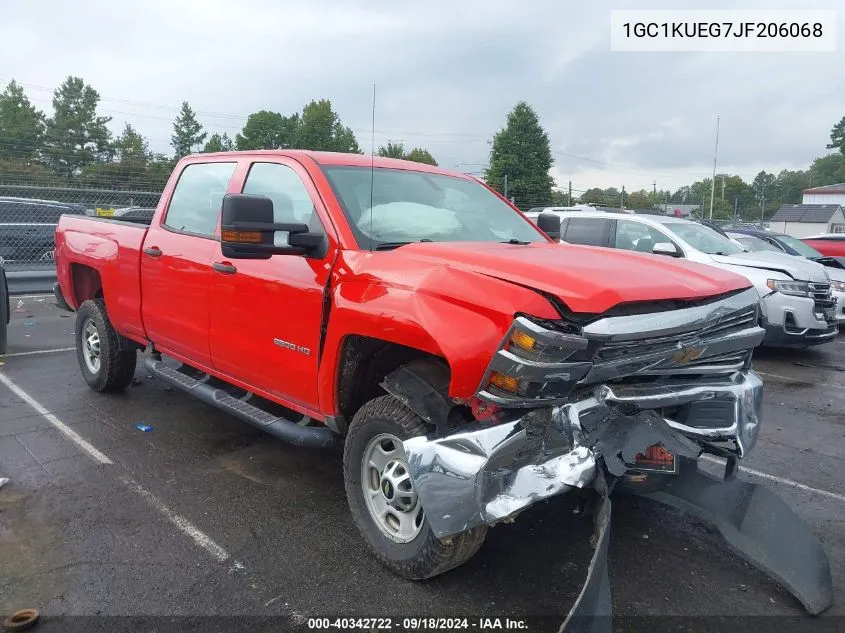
{"x":803,"y":220}
{"x":829,"y":194}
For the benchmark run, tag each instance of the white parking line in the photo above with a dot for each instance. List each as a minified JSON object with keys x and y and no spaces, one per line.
{"x":68,"y":432}
{"x":780,"y":480}
{"x":31,"y":296}
{"x":39,"y":351}
{"x":186,"y":527}
{"x":788,"y":379}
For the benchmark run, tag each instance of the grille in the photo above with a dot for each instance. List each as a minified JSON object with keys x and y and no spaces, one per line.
{"x":649,"y":347}
{"x":822,"y":297}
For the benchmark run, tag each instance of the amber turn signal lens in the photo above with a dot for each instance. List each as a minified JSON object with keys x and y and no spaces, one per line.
{"x":248,"y":237}
{"x":505,"y":383}
{"x":523,"y":340}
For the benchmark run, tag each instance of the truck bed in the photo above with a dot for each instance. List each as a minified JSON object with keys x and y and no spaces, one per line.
{"x":95,"y":253}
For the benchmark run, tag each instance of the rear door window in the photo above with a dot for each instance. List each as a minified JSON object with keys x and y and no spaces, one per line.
{"x":637,"y":236}
{"x":195,"y":205}
{"x":587,"y":231}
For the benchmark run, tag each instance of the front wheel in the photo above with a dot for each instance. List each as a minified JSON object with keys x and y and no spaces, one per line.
{"x":104,"y":365}
{"x":382,"y":498}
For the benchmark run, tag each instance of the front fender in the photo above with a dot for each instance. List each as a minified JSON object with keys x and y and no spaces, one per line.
{"x":456,"y":315}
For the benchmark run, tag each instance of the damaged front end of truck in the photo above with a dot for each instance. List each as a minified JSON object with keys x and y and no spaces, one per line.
{"x":621,"y":403}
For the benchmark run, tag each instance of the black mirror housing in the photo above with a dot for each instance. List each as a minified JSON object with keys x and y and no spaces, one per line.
{"x":549,"y":223}
{"x":247,"y":230}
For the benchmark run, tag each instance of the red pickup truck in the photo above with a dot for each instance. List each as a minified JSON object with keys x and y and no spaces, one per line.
{"x":468,"y":364}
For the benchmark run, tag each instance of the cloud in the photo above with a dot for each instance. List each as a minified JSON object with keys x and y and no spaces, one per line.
{"x":446,"y":75}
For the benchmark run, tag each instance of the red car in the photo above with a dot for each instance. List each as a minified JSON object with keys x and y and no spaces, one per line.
{"x":468,"y":364}
{"x":829,"y":244}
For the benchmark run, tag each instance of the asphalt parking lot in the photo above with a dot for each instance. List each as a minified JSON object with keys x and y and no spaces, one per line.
{"x":206,"y":516}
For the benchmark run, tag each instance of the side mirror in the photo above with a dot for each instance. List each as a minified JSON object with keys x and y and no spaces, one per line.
{"x":666,"y":248}
{"x":247,"y":230}
{"x":549,"y":224}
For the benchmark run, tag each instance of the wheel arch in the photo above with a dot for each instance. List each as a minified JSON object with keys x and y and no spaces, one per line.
{"x":369,"y":367}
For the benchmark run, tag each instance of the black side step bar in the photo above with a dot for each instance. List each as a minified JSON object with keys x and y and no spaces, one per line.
{"x":286,"y":430}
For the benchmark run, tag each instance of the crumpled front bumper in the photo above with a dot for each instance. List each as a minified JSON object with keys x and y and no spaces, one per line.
{"x":489,"y":475}
{"x":485,"y":476}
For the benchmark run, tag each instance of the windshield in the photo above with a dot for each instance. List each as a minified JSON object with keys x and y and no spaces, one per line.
{"x":413,"y":206}
{"x":703,"y":239}
{"x":805,"y":250}
{"x":754,"y":243}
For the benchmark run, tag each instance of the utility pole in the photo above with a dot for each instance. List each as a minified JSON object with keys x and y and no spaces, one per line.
{"x":654,"y":193}
{"x":723,"y":186}
{"x":736,"y":203}
{"x":622,"y":198}
{"x":505,"y":192}
{"x":713,"y":181}
{"x":762,"y":210}
{"x":570,"y":193}
{"x":666,"y":202}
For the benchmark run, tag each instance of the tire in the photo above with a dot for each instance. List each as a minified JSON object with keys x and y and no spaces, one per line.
{"x":115,"y":368}
{"x":424,"y":555}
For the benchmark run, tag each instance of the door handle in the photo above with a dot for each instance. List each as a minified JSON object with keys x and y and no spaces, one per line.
{"x":153,"y":251}
{"x":226,"y":269}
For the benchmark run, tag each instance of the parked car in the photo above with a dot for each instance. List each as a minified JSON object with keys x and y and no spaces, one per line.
{"x":830,"y":244}
{"x":469,"y":366}
{"x":27,"y":228}
{"x":755,"y":240}
{"x":798,"y":307}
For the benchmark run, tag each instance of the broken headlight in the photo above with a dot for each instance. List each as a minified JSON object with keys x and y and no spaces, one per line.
{"x":534,"y":365}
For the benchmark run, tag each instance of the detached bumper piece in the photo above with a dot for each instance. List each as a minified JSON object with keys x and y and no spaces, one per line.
{"x":757,"y":524}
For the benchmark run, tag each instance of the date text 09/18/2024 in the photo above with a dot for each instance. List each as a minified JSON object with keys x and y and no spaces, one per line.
{"x":418,"y":624}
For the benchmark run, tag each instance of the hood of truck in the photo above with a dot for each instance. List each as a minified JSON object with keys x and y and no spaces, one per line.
{"x":798,"y":268}
{"x":587,"y":279}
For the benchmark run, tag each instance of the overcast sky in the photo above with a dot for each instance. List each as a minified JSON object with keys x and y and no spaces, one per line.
{"x":447,"y":73}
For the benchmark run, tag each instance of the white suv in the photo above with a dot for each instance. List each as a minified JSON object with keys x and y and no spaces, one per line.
{"x":798,"y":309}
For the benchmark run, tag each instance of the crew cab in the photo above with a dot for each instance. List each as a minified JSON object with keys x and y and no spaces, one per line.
{"x":468,"y":365}
{"x":798,"y":307}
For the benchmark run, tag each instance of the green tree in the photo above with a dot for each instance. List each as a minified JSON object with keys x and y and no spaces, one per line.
{"x":131,"y":147}
{"x":219,"y":143}
{"x":392,"y":150}
{"x":827,"y":170}
{"x":420,"y":155}
{"x":159,"y":170}
{"x":21,"y":126}
{"x":187,"y":132}
{"x":559,"y":198}
{"x":75,"y":135}
{"x":268,"y":130}
{"x":640,"y":199}
{"x":789,"y":186}
{"x":837,"y":137}
{"x":762,"y":185}
{"x":321,"y":129}
{"x":521,"y":152}
{"x":129,"y":167}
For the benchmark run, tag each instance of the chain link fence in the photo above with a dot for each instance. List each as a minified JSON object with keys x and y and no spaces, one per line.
{"x":29,"y":215}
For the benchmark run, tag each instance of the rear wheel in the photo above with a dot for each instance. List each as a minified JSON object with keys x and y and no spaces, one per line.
{"x":382,"y":498}
{"x":104,"y":365}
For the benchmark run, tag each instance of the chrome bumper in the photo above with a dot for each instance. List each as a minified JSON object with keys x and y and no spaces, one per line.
{"x":483,"y":477}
